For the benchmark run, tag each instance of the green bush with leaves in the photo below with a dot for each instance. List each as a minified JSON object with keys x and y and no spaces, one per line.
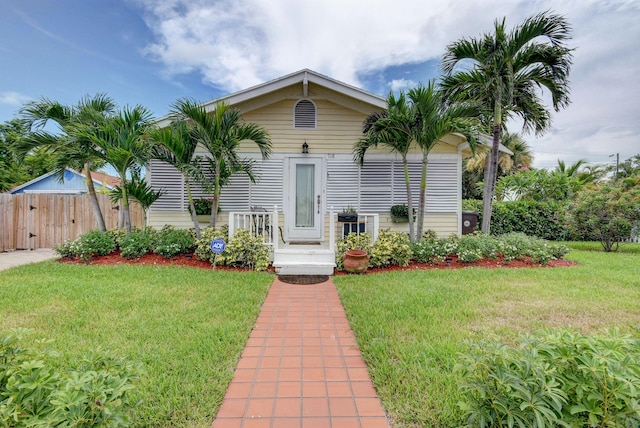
{"x":433,"y":250}
{"x":170,"y":241}
{"x":542,"y":219}
{"x":391,"y":248}
{"x":136,"y":244}
{"x":243,"y":250}
{"x":33,"y":393}
{"x":246,"y":250}
{"x":606,"y":213}
{"x":203,"y":250}
{"x":352,"y":241}
{"x":474,"y":247}
{"x":91,"y":244}
{"x":552,"y":379}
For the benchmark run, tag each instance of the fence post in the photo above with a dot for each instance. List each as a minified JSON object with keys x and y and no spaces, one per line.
{"x":332,"y":229}
{"x":274,"y":228}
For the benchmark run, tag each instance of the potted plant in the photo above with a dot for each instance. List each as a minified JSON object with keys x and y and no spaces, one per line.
{"x":203,"y":209}
{"x":348,"y":215}
{"x":355,"y":261}
{"x":400,"y":213}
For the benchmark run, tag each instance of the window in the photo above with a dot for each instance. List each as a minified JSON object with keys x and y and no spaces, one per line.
{"x":304,"y":115}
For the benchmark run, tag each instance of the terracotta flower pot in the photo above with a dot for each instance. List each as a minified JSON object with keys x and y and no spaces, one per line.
{"x":356,"y":261}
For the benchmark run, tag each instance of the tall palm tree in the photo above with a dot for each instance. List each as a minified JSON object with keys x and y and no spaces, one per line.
{"x":220,"y":133}
{"x":175,"y":146}
{"x":507,"y":70}
{"x":420,"y":119}
{"x":69,"y":147}
{"x":433,"y":119}
{"x":391,"y":129}
{"x":123,"y":143}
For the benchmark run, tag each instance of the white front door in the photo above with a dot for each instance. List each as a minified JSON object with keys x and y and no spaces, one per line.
{"x":305,"y":200}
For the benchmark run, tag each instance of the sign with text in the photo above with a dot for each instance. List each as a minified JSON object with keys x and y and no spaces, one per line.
{"x":217,"y":245}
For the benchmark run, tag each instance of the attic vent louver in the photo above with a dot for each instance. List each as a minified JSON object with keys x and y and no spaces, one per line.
{"x":304,"y":115}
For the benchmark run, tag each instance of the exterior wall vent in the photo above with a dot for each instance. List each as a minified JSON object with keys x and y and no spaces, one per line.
{"x":304,"y":115}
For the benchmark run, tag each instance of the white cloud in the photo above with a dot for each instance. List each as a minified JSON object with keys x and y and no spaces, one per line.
{"x":235,"y":44}
{"x":13,"y":98}
{"x":397,"y":84}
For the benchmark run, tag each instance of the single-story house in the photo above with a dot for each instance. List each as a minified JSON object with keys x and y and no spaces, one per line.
{"x":313,"y":122}
{"x":73,"y":182}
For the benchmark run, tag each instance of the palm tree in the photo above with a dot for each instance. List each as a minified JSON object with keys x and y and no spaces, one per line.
{"x":139,"y":190}
{"x":392,"y":129}
{"x":522,"y":157}
{"x":220,"y":133}
{"x":422,"y":119}
{"x":433,"y":119}
{"x":175,"y":146}
{"x":507,"y":70}
{"x":69,"y":147}
{"x":123,"y":143}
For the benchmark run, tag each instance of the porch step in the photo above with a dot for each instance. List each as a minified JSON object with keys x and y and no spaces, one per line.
{"x":304,"y":260}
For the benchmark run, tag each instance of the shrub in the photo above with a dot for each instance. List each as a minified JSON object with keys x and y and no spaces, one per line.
{"x":91,"y":244}
{"x":203,"y":251}
{"x":434,"y":250}
{"x":136,"y":244}
{"x":605,"y":213}
{"x":391,"y":248}
{"x":170,"y":241}
{"x":474,"y":247}
{"x":552,"y":379}
{"x":542,"y":219}
{"x":117,"y":235}
{"x":352,"y":241}
{"x":246,"y":250}
{"x":33,"y":393}
{"x":243,"y":250}
{"x":514,"y":246}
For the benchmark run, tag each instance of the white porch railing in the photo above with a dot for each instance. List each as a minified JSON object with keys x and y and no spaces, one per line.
{"x":262,"y":224}
{"x":366,"y":222}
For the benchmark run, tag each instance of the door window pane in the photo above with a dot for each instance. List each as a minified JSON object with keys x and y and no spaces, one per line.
{"x":304,"y":195}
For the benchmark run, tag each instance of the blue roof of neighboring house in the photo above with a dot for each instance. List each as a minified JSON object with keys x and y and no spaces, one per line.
{"x":74,"y":182}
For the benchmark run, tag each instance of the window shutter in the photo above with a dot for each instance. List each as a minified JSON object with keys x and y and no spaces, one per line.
{"x":235,"y":195}
{"x":376,"y":184}
{"x":267,"y":191}
{"x":442,"y":186}
{"x":166,"y":178}
{"x":342,"y":184}
{"x":304,"y":115}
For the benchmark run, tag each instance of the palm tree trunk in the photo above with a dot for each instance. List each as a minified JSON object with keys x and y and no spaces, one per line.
{"x":490,"y":180}
{"x":216,"y":197}
{"x":423,"y":197}
{"x":407,"y":182}
{"x":126,"y":215}
{"x":192,"y":205}
{"x":94,"y":198}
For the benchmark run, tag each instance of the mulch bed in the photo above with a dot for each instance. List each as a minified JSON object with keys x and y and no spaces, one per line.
{"x":190,"y":260}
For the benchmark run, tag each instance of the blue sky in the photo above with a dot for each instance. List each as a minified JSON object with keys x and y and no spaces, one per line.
{"x":152,"y":52}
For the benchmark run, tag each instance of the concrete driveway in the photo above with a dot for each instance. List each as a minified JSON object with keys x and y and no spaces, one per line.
{"x":11,"y":259}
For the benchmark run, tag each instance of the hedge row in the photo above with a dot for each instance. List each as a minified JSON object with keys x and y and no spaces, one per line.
{"x":542,"y":219}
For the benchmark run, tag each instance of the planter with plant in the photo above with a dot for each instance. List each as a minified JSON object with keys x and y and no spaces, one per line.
{"x":400,"y":213}
{"x":348,"y":215}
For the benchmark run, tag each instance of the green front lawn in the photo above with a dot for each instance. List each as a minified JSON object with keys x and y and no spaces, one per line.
{"x":411,"y":325}
{"x":187,"y":326}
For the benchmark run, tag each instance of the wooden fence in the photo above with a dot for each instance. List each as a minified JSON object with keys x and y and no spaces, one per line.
{"x":29,"y":221}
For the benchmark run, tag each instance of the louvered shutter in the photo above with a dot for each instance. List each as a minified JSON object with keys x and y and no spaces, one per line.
{"x":169,"y":180}
{"x":234,"y":196}
{"x":304,"y":115}
{"x":442,"y":186}
{"x":342,"y":184}
{"x":376,"y":184}
{"x":267,"y":190}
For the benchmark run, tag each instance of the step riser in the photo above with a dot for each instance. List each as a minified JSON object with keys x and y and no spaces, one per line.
{"x":304,"y":269}
{"x":279,"y":258}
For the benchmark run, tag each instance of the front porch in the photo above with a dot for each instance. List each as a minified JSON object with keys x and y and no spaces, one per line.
{"x":299,"y":257}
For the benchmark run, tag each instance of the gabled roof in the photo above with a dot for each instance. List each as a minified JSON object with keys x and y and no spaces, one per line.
{"x":303,"y":77}
{"x":98,"y":178}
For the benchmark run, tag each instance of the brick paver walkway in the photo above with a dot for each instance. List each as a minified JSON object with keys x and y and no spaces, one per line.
{"x":301,"y":367}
